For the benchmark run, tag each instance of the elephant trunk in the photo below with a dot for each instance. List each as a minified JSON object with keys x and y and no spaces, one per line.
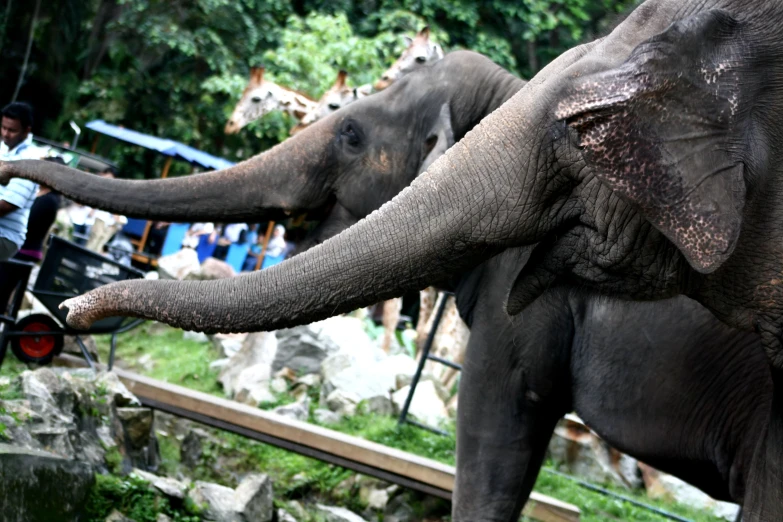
{"x":423,"y":235}
{"x":255,"y":189}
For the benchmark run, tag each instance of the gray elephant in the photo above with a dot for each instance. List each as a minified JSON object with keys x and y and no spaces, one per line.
{"x":491,"y":320}
{"x":665,"y":382}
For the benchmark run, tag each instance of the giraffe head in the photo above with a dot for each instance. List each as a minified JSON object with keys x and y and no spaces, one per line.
{"x":339,"y":95}
{"x":420,"y":52}
{"x":262,"y":97}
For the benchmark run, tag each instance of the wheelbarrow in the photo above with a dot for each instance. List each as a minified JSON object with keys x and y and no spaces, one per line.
{"x":67,"y":270}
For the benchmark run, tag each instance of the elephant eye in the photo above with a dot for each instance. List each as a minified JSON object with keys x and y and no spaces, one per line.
{"x":420,"y":59}
{"x":350,"y":135}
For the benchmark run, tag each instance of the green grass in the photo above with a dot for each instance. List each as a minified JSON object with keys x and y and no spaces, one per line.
{"x":186,"y":363}
{"x":174,"y":359}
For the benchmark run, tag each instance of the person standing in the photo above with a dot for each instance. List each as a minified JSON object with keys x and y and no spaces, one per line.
{"x":18,"y":196}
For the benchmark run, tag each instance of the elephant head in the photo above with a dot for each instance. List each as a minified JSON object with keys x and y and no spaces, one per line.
{"x":419,"y":52}
{"x":340,"y":170}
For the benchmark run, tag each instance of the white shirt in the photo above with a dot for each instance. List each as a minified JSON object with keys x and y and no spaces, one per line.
{"x":23,"y":150}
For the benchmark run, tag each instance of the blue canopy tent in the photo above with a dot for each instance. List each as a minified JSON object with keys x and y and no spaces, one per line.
{"x":172,"y":149}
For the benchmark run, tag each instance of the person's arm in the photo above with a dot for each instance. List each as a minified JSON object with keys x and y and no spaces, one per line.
{"x":6,"y":208}
{"x":15,"y":195}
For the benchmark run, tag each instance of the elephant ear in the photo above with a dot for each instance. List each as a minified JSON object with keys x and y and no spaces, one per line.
{"x":439,"y":139}
{"x":664,"y":131}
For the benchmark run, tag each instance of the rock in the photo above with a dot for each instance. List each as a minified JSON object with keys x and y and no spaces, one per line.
{"x":298,"y":411}
{"x":661,"y":485}
{"x":426,"y":406}
{"x":379,"y":406}
{"x":184,"y":264}
{"x":364,"y":376}
{"x":375,"y":497}
{"x":254,"y":498}
{"x":279,"y":385}
{"x":40,"y":486}
{"x":580,"y":452}
{"x":192,"y":447}
{"x":118,"y":394}
{"x":219,"y":364}
{"x":251,"y":350}
{"x":116,"y":516}
{"x":152,"y":275}
{"x":337,"y":514}
{"x":341,"y":402}
{"x":301,"y":350}
{"x":256,"y":394}
{"x":326,"y":417}
{"x":285,"y":516}
{"x":45,"y":391}
{"x":196,"y":337}
{"x":54,"y":439}
{"x":213,"y":268}
{"x":218,"y":502}
{"x":398,"y":510}
{"x":163,"y":518}
{"x":136,"y":438}
{"x":229,"y":345}
{"x":311,"y":380}
{"x":168,"y":486}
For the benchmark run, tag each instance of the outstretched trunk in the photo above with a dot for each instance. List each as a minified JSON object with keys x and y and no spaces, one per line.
{"x":262,"y":187}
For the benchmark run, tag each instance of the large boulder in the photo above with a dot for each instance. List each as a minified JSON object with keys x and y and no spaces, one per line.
{"x":181,"y":265}
{"x":578,"y":451}
{"x":247,"y":374}
{"x":217,"y":501}
{"x":304,"y":348}
{"x":427,"y":405}
{"x":365,"y":375}
{"x":41,"y":486}
{"x":213,"y":268}
{"x":337,"y":514}
{"x":255,"y":498}
{"x":661,"y":485}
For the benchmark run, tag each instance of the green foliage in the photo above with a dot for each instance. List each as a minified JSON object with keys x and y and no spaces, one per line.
{"x":175,"y":68}
{"x":134,"y":498}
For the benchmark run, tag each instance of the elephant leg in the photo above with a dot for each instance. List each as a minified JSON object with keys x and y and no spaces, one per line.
{"x":391,"y":317}
{"x":513,"y":390}
{"x":764,"y":488}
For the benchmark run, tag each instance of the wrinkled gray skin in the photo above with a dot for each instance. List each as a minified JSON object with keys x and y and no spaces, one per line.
{"x":643,"y":165}
{"x":665,"y":382}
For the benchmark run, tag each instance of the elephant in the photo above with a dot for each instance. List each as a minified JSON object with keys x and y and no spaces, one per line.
{"x":665,"y":382}
{"x":489,"y":332}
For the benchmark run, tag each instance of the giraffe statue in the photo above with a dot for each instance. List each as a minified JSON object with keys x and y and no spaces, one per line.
{"x":420,"y":51}
{"x":262,"y":97}
{"x":339,"y":95}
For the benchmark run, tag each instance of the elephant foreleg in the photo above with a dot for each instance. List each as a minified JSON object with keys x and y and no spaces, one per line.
{"x":512,"y":393}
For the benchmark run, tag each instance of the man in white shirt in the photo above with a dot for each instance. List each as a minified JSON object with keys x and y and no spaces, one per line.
{"x":18,"y":196}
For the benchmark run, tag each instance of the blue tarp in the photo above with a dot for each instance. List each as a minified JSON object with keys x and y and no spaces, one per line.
{"x":164,"y":146}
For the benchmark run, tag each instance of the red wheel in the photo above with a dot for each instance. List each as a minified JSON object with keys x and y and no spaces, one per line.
{"x":39,"y":349}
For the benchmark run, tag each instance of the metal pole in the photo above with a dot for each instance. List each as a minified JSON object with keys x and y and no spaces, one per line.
{"x":423,"y":358}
